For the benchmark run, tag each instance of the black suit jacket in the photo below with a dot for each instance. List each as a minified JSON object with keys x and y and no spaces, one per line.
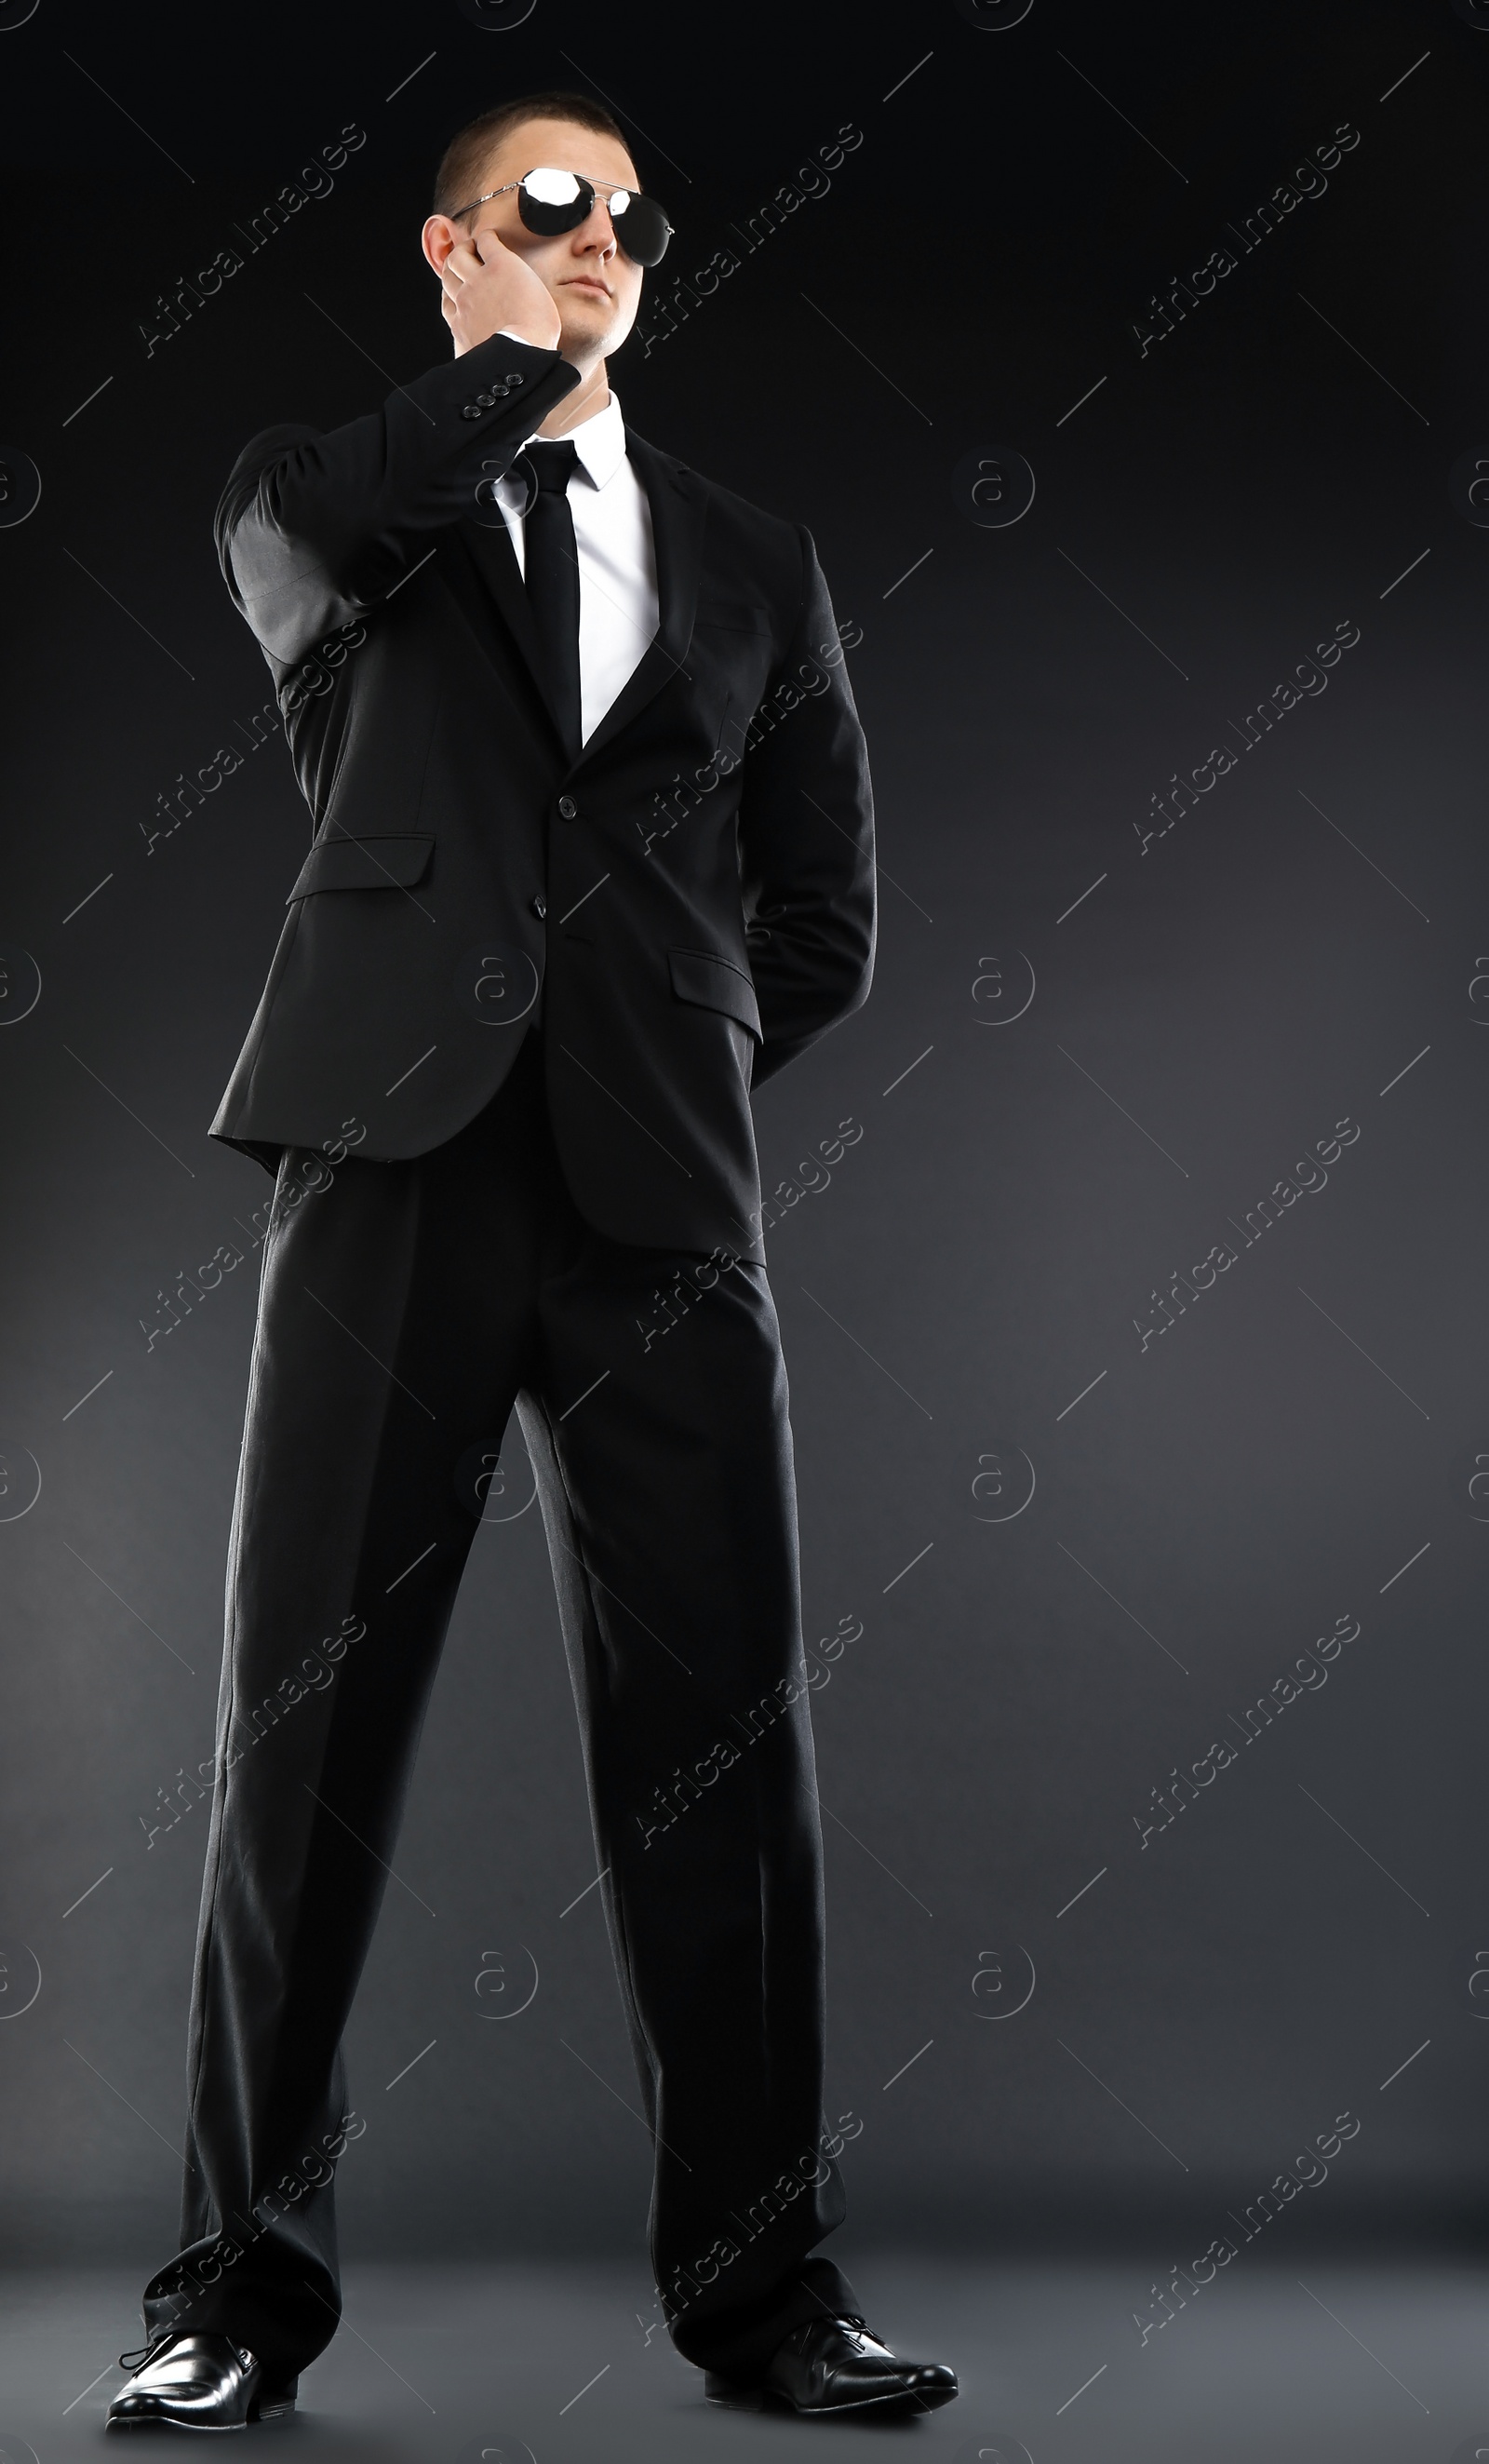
{"x":694,"y":893}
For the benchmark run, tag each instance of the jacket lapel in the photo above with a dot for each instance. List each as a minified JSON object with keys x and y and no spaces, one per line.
{"x":679,"y":506}
{"x":495,"y":560}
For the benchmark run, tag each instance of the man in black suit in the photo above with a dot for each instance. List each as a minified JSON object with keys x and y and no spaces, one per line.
{"x":592,"y":858}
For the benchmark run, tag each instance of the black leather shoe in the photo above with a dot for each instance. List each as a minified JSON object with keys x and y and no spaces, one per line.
{"x":182,"y":2382}
{"x":836,"y":2365}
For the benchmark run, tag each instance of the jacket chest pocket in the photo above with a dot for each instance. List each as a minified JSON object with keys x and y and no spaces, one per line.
{"x":734,"y":643}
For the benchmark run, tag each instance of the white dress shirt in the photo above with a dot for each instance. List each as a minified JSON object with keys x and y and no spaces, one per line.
{"x":617,"y":561}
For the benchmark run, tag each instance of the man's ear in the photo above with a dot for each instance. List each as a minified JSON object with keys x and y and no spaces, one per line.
{"x":437,"y":239}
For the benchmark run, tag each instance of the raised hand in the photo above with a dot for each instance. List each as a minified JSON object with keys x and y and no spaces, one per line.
{"x":487,"y":288}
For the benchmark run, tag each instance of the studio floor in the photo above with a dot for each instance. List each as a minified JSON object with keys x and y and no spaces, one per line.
{"x":552,"y":2364}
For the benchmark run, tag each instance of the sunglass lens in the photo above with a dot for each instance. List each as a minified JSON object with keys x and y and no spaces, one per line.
{"x":551,"y":201}
{"x":640,"y":227}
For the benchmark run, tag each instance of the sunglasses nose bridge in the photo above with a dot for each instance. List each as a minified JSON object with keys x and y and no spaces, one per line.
{"x":601,"y":206}
{"x":580,"y":227}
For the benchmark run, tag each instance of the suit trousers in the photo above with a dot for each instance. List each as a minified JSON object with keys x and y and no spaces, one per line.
{"x":405,"y":1308}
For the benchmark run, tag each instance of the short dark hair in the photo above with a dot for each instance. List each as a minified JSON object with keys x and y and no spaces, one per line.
{"x":463,"y":163}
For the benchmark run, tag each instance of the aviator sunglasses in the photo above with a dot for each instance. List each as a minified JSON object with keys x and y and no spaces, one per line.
{"x":550,"y":202}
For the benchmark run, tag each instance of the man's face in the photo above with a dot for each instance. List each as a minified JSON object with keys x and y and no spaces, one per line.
{"x":597,"y":288}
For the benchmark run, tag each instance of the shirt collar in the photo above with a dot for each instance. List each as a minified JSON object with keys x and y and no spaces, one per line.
{"x":599,"y":443}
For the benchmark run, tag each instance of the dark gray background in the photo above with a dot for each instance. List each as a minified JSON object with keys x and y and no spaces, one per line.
{"x":1209,"y":1508}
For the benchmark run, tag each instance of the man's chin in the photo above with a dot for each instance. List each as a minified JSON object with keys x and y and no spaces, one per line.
{"x":589,"y":329}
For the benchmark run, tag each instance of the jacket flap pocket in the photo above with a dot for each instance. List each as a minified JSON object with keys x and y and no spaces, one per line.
{"x":382,"y":860}
{"x":715,"y":983}
{"x":736,"y":613}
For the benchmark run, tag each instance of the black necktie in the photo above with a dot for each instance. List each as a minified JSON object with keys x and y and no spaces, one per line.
{"x":553,"y":585}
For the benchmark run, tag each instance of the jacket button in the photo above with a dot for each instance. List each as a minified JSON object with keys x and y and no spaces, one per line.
{"x":540,"y":908}
{"x":567,"y":808}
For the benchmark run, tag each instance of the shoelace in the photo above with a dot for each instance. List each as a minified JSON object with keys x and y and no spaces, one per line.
{"x":836,"y":2318}
{"x":148,"y":2353}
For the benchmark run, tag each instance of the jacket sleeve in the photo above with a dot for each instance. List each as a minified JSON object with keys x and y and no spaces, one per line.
{"x":314,"y":530}
{"x":806,"y":838}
